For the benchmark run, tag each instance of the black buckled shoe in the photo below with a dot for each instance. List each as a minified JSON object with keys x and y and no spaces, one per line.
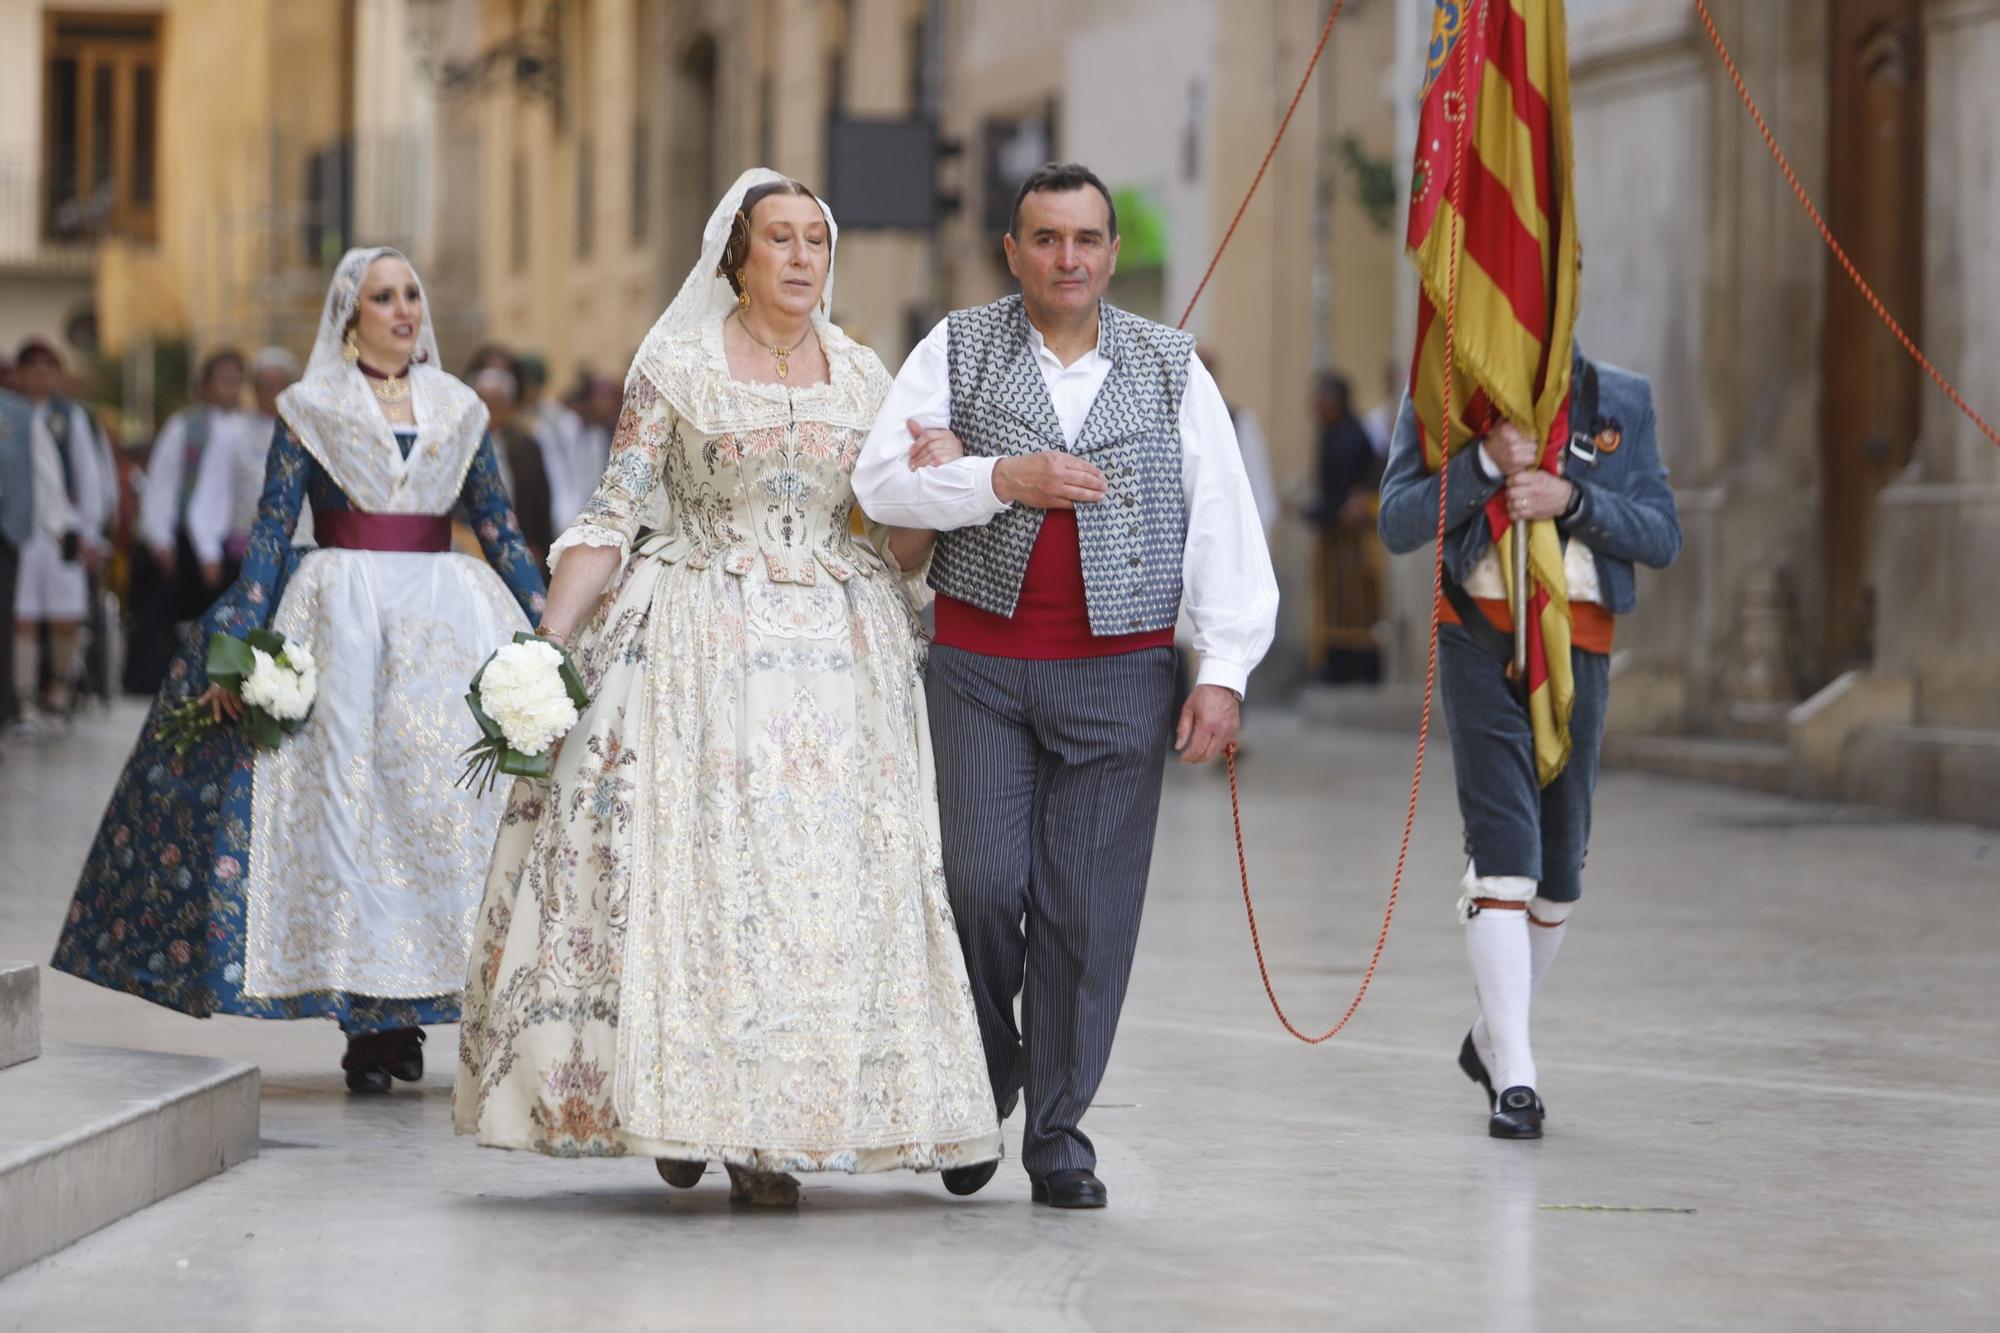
{"x":405,"y":1048}
{"x":366,"y":1063}
{"x":969,"y":1179}
{"x":1070,"y":1189}
{"x":1517,"y":1115}
{"x":1475,"y":1069}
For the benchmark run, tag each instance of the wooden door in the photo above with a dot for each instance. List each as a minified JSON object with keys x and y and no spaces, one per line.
{"x":1872,"y":389}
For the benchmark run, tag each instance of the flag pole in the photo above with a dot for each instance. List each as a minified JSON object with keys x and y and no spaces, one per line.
{"x":1520,"y":591}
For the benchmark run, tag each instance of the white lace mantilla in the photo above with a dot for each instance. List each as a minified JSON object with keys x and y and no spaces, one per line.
{"x":359,"y":449}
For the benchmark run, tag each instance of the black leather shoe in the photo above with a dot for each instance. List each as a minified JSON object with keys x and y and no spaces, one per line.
{"x":1070,"y":1189}
{"x":1475,"y":1069}
{"x":366,"y":1062}
{"x":1518,"y":1115}
{"x":405,"y":1053}
{"x":969,"y":1179}
{"x":369,"y":1079}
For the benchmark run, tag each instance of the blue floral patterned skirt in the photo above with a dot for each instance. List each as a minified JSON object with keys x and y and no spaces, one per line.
{"x":159,"y":908}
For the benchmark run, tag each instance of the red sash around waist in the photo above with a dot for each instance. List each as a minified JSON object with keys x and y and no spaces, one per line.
{"x":352,"y":530}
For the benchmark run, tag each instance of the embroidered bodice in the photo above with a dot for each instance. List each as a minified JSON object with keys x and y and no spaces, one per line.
{"x":745,"y":476}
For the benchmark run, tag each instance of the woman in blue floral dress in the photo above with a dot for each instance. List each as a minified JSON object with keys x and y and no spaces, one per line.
{"x":336,"y":876}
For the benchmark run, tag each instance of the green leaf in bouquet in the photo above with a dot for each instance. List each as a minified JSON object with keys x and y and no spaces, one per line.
{"x":515,"y":764}
{"x":488,"y":728}
{"x":572,"y":681}
{"x":269,"y":640}
{"x":230,"y":661}
{"x":263,"y":728}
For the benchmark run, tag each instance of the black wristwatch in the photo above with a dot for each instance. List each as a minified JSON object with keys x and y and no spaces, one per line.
{"x":1575,"y":504}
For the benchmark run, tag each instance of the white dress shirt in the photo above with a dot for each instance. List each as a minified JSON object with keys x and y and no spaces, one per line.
{"x":231,"y":481}
{"x":559,"y":433}
{"x":85,"y":469}
{"x":166,"y":471}
{"x":1229,"y":590}
{"x":54,"y":515}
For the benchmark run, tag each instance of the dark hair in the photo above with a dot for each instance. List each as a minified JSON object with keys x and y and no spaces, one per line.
{"x":738,"y":249}
{"x":491,"y":356}
{"x":37,"y":348}
{"x":1060,"y":178}
{"x":216,"y":360}
{"x":1334,"y":385}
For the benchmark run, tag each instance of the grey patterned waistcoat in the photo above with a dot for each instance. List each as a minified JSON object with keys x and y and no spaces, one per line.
{"x":1133,"y":539}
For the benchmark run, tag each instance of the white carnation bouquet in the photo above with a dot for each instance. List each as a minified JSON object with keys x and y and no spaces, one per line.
{"x":525,"y":699}
{"x":277,"y":679}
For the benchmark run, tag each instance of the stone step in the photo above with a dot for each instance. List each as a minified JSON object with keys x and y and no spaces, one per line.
{"x":20,"y":1013}
{"x":90,"y":1134}
{"x":1760,"y":765}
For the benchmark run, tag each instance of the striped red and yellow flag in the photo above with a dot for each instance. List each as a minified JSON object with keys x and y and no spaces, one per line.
{"x":1499,"y":80}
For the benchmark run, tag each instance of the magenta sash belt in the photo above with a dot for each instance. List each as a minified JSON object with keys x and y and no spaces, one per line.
{"x":352,"y":530}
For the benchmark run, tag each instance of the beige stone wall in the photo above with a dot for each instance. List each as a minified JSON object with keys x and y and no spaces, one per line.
{"x":231,"y":152}
{"x":1938,"y":540}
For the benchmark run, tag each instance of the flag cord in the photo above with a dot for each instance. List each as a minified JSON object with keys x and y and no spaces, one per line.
{"x":1838,"y":251}
{"x":1460,"y":137}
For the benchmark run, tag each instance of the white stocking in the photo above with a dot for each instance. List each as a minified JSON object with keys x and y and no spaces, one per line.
{"x":1497,"y":946}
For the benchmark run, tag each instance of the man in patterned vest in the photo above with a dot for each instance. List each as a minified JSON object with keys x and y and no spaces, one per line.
{"x":1100,"y":485}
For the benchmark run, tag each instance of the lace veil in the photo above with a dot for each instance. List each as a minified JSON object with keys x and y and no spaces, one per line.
{"x":705,"y":297}
{"x":332,"y":412}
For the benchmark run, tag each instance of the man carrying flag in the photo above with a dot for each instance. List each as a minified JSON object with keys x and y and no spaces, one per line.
{"x":1553,"y":489}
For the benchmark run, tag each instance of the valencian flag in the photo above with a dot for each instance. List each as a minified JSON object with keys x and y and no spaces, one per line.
{"x":1499,"y":78}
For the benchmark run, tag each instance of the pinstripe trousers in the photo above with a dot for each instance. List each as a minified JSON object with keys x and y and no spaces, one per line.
{"x":1048,"y":780}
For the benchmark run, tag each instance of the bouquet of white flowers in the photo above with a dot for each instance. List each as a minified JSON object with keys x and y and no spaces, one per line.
{"x":277,"y":679}
{"x":525,"y":699}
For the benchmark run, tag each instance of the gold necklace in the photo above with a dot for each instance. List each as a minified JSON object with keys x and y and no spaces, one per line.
{"x":782,"y":355}
{"x":388,"y":388}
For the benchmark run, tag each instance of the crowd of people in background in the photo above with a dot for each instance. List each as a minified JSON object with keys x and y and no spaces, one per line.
{"x":108,"y":552}
{"x":109,"y":549}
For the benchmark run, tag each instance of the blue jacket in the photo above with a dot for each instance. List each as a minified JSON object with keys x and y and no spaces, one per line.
{"x":17,"y":469}
{"x":1627,"y":514}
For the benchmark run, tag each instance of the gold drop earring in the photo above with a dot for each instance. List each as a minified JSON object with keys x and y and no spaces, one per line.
{"x":350,"y":348}
{"x":743,"y":300}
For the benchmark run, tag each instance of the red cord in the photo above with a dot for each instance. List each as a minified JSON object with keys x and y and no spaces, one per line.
{"x":1460,"y":139}
{"x":1826,"y":232}
{"x":1332,"y":17}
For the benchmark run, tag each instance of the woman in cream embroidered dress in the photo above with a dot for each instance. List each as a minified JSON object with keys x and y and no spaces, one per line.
{"x":720,"y":931}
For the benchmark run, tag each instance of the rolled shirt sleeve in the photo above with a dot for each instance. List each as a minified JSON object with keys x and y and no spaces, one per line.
{"x":958,"y":494}
{"x":1229,"y":587}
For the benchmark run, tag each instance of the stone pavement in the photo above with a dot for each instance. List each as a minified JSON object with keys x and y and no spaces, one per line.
{"x":1775,"y":1015}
